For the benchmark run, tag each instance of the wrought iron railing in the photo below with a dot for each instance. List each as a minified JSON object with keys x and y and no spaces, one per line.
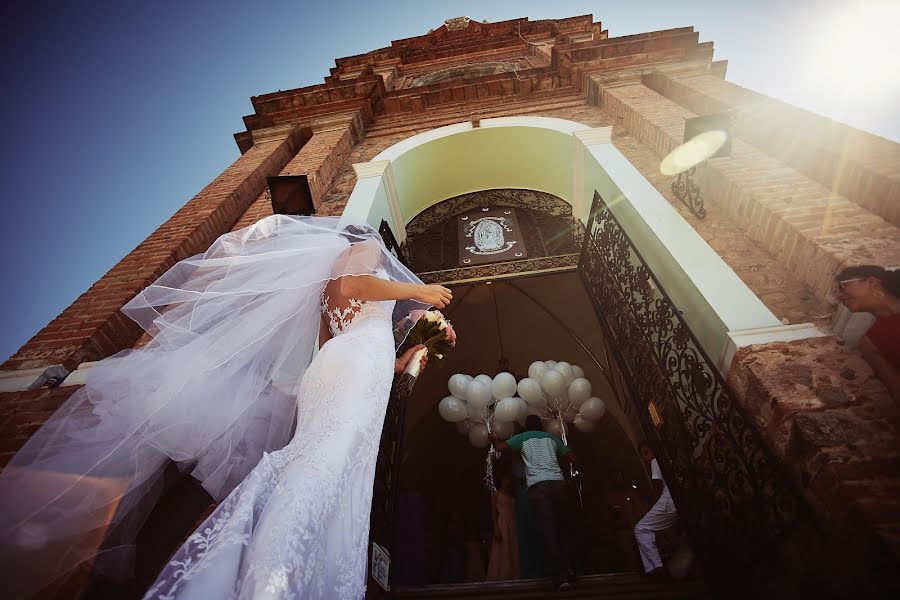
{"x":731,"y":495}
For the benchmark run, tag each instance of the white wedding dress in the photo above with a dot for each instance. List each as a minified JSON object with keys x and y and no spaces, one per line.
{"x":298,"y":525}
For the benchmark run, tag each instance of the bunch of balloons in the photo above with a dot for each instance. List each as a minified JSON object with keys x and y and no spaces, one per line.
{"x":555,"y":391}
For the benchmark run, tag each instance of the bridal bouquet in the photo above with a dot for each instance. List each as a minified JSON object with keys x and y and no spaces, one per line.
{"x":432,"y":330}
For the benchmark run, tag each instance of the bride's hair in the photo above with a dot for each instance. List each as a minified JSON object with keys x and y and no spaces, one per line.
{"x":355,"y":232}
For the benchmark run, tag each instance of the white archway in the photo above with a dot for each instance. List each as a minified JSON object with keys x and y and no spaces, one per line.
{"x":571,"y":160}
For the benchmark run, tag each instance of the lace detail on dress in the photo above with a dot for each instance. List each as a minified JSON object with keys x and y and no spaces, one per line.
{"x":339,"y":319}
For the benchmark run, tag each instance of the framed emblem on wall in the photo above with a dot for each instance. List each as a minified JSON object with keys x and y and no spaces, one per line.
{"x":490,"y":235}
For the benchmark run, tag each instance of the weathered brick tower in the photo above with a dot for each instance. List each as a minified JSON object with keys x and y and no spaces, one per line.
{"x":799,"y":197}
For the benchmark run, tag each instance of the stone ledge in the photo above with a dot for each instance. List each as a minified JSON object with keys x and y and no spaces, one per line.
{"x":764,"y":335}
{"x":31,"y":379}
{"x":832,"y":424}
{"x":79,"y":375}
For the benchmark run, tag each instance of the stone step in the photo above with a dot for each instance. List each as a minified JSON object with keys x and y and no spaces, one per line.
{"x":615,"y":585}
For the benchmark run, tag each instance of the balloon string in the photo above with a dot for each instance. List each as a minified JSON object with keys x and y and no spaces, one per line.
{"x":489,"y":464}
{"x":565,"y":440}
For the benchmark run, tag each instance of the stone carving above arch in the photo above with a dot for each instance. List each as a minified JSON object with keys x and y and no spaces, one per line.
{"x":469,"y":71}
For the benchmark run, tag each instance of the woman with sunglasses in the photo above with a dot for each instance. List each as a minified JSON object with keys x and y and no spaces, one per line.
{"x":869,"y":288}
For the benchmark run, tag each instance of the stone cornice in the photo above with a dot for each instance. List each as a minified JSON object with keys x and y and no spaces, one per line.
{"x":573,"y":53}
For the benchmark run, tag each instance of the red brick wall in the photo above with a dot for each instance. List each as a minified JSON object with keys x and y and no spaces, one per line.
{"x":320,"y":159}
{"x":22,"y":413}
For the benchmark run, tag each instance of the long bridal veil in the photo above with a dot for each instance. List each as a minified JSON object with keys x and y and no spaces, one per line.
{"x":232,"y":330}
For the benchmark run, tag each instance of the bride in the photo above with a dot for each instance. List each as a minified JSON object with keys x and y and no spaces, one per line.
{"x":228,"y":375}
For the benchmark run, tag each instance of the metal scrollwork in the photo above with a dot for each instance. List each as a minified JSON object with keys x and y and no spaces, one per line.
{"x":687,"y":190}
{"x":730,"y":493}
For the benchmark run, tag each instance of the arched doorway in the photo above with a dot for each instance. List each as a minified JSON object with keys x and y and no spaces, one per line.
{"x":666,"y":304}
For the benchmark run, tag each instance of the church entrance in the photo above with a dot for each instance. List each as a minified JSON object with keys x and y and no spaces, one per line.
{"x":604,"y":310}
{"x":518,"y":298}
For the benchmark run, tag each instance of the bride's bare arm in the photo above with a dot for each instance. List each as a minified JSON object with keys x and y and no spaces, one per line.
{"x":324,"y":331}
{"x":368,"y":287}
{"x":364,"y":258}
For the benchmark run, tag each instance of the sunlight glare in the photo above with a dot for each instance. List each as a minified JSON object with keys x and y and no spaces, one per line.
{"x":692,"y":152}
{"x":856,"y":45}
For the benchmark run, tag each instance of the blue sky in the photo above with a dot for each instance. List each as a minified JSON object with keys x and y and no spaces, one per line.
{"x":116,"y":113}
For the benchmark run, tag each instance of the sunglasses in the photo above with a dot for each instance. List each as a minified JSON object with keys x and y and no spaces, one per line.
{"x":843,"y":284}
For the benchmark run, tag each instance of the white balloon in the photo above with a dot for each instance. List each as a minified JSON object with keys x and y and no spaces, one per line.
{"x":553,"y":384}
{"x":457,"y":385}
{"x":476,"y":413}
{"x":553,"y":427}
{"x":503,"y":386}
{"x":593,"y":408}
{"x":452,"y":409}
{"x":579,"y":372}
{"x":579,"y":390}
{"x":478,"y":436}
{"x":503,"y":429}
{"x":463,"y":426}
{"x":565,"y":369}
{"x":530,"y":391}
{"x":583,"y":424}
{"x":485,"y":379}
{"x":478,"y":394}
{"x":570,"y":413}
{"x":550,"y":363}
{"x":537,"y":369}
{"x":508,"y":409}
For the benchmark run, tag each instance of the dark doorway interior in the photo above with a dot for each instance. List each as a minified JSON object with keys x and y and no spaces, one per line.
{"x":443,"y":524}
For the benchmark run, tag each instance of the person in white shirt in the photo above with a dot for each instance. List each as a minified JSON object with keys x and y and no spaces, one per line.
{"x":661,"y":515}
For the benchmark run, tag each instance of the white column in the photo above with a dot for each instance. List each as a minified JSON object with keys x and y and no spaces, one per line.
{"x":583,"y":140}
{"x":375,"y":178}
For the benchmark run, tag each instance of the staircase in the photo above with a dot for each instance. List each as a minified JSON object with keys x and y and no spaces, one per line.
{"x":630,"y":586}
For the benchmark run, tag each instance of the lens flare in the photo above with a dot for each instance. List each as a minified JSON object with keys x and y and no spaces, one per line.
{"x":692,"y":152}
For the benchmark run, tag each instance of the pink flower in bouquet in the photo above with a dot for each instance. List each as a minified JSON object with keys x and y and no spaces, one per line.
{"x":451,"y":334}
{"x":415,"y":315}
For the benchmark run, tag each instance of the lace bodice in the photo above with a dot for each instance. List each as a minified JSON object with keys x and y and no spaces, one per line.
{"x":339,"y":319}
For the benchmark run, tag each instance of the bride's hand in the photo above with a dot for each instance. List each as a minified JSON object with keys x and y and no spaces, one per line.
{"x":435,"y":295}
{"x":401,"y":363}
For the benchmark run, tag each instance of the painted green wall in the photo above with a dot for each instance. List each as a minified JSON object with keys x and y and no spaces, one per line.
{"x":485,"y":158}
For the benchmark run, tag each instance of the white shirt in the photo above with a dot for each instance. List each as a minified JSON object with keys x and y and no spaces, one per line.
{"x":665,"y":499}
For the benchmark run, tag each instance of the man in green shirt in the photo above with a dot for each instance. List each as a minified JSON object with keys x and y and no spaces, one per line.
{"x":546,"y":491}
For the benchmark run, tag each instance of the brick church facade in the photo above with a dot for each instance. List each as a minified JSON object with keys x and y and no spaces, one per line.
{"x":799,"y":198}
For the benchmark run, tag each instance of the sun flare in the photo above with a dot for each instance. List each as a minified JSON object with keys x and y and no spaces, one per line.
{"x":855,"y":45}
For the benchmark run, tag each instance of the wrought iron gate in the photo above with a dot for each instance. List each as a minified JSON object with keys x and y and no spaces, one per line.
{"x":733,"y":499}
{"x":387,"y":475}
